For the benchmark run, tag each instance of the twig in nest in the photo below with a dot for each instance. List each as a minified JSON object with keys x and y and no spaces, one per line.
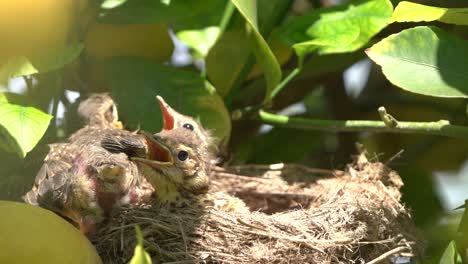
{"x":281,"y":167}
{"x":249,"y":178}
{"x":397,"y":155}
{"x":184,"y":237}
{"x":387,"y":254}
{"x":270,"y":194}
{"x":240,"y":221}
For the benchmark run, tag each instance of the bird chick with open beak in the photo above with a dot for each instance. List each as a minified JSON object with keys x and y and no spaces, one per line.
{"x":82,"y":181}
{"x":134,"y":145}
{"x":175,"y":161}
{"x":177,"y":165}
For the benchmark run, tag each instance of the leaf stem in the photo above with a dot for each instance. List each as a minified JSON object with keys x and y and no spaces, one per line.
{"x":226,"y":19}
{"x":283,"y":84}
{"x":438,"y":128}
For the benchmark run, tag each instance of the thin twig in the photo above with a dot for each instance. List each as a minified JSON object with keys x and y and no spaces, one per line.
{"x":184,"y":237}
{"x":281,"y":167}
{"x":397,"y":155}
{"x":270,"y":194}
{"x":229,"y":175}
{"x":387,"y":254}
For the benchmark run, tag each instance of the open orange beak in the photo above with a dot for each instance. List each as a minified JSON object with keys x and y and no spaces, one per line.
{"x":158,"y":153}
{"x":169,"y":114}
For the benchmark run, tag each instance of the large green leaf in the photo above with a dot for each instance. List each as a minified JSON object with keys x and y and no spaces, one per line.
{"x":154,"y":11}
{"x":47,"y":60}
{"x":412,"y":12}
{"x":451,"y":255}
{"x":140,"y":256}
{"x":424,"y":60}
{"x":21,"y":127}
{"x":135,"y":82}
{"x":226,"y":60}
{"x":338,"y":29}
{"x":263,"y":53}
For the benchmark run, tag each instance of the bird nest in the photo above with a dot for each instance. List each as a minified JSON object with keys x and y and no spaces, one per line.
{"x":275,"y":214}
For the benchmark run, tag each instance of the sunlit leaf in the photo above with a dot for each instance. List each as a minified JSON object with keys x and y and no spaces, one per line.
{"x":451,"y":255}
{"x":338,"y":29}
{"x":21,"y":127}
{"x":424,"y":60}
{"x":264,"y":55}
{"x":47,"y":60}
{"x":3,"y":98}
{"x":310,"y":46}
{"x":413,"y":12}
{"x":154,"y":11}
{"x":140,"y":256}
{"x":200,"y":41}
{"x":136,"y":82}
{"x":109,"y":4}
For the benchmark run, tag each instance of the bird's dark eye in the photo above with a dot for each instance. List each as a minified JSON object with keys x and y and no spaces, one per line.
{"x":182,"y":155}
{"x":188,"y":126}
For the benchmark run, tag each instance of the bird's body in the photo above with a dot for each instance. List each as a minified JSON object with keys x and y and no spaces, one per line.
{"x":102,"y":166}
{"x":82,"y":181}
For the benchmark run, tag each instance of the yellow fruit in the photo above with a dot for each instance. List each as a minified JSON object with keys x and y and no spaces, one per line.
{"x":30,"y":234}
{"x":151,"y":41}
{"x":30,"y":26}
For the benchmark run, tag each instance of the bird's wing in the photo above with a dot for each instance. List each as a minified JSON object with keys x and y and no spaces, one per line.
{"x":49,"y":189}
{"x":131,"y":145}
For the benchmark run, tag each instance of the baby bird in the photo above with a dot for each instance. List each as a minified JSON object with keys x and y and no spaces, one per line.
{"x":137,"y":145}
{"x":174,"y":120}
{"x":176,"y":163}
{"x":82,"y":181}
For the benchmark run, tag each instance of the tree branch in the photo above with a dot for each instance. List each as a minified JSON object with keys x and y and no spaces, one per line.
{"x":439,"y":128}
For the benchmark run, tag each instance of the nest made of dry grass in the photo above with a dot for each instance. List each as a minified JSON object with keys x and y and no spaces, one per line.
{"x":287,"y":215}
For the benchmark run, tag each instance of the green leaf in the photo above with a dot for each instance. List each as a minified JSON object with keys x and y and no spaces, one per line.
{"x":263,"y":53}
{"x":424,"y":60}
{"x":232,"y":48}
{"x":21,"y":127}
{"x":3,"y":98}
{"x":412,"y":12}
{"x":154,"y":11}
{"x":200,"y":41}
{"x":451,"y":255}
{"x":338,"y":29}
{"x":304,"y":48}
{"x":140,"y":256}
{"x":109,"y":4}
{"x":47,"y":60}
{"x":135,"y":82}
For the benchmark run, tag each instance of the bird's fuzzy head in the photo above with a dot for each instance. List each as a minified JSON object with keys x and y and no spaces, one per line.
{"x":175,"y":120}
{"x":181,"y":157}
{"x":101,"y":110}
